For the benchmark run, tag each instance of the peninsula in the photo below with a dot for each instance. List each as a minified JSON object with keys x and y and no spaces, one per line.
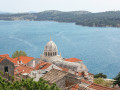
{"x":84,"y":18}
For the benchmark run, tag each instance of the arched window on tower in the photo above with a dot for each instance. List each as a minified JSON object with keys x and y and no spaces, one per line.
{"x":53,"y":53}
{"x":48,"y":54}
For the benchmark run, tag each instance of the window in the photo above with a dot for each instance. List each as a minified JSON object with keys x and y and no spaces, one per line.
{"x":6,"y":69}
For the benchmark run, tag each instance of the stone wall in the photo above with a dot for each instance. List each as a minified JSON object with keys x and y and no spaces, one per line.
{"x":67,"y":81}
{"x":61,"y":83}
{"x":6,"y":63}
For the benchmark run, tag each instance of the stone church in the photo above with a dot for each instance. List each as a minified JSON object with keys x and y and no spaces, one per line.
{"x":50,"y":54}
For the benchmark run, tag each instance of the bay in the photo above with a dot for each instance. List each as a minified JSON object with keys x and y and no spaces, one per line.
{"x":98,"y":47}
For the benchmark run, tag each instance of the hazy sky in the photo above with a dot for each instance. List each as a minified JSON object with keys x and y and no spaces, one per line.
{"x":63,"y":5}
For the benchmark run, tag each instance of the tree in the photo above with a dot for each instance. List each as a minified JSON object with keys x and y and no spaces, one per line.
{"x":100,"y":75}
{"x":26,"y":84}
{"x":18,"y":53}
{"x":117,"y":79}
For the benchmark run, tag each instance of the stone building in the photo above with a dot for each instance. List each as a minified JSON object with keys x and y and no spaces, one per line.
{"x":33,"y":62}
{"x":68,"y":81}
{"x":6,"y":66}
{"x":51,"y":55}
{"x":61,"y":78}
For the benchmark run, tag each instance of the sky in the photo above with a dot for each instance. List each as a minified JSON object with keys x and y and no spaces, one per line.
{"x":18,"y":6}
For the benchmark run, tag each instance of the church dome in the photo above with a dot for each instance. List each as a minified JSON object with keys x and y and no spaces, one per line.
{"x":50,"y":49}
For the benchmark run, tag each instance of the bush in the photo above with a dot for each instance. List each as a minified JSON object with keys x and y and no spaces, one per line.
{"x":100,"y":75}
{"x":102,"y":82}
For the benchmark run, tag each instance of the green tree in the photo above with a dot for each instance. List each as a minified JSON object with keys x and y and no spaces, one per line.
{"x":26,"y":84}
{"x":117,"y":79}
{"x":18,"y":53}
{"x":100,"y":75}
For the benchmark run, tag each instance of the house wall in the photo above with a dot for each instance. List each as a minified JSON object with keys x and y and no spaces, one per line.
{"x":67,"y":81}
{"x":73,"y":80}
{"x":31,"y":63}
{"x":53,"y":66}
{"x":9,"y":64}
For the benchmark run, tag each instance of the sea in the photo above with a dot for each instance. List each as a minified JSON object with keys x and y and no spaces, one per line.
{"x":98,"y":47}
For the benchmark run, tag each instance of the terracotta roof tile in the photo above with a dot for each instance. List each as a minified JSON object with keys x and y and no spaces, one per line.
{"x":73,"y":60}
{"x":64,"y":69}
{"x":4,"y":55}
{"x":42,"y":65}
{"x":99,"y":87}
{"x":1,"y":59}
{"x":92,"y":86}
{"x":22,"y":69}
{"x":75,"y":87}
{"x":24,"y":59}
{"x":85,"y":81}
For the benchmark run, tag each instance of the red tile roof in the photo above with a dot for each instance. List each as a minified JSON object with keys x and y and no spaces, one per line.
{"x":73,"y":60}
{"x":85,"y":81}
{"x":75,"y":87}
{"x":42,"y":65}
{"x":64,"y":69}
{"x":92,"y":86}
{"x":1,"y":59}
{"x":24,"y":59}
{"x":22,"y":69}
{"x":8,"y":58}
{"x":80,"y":74}
{"x":99,"y":87}
{"x":4,"y":55}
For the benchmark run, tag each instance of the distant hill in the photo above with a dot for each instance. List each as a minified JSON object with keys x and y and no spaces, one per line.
{"x":85,"y":18}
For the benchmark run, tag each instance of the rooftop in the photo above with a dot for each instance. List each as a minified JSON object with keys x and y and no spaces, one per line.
{"x":99,"y":87}
{"x":21,"y":69}
{"x":54,"y":75}
{"x":24,"y":59}
{"x":4,"y":55}
{"x":42,"y":65}
{"x":75,"y":87}
{"x":73,"y":60}
{"x":1,"y":59}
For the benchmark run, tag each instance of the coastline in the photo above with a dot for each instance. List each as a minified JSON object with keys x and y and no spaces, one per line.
{"x":67,"y":22}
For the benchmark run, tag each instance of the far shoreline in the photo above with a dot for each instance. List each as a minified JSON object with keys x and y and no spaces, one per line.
{"x":65,"y":22}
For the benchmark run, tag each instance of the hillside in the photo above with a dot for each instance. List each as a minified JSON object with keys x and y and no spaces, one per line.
{"x":85,"y":18}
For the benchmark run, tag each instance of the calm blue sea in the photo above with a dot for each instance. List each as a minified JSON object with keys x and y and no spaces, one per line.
{"x":99,"y":48}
